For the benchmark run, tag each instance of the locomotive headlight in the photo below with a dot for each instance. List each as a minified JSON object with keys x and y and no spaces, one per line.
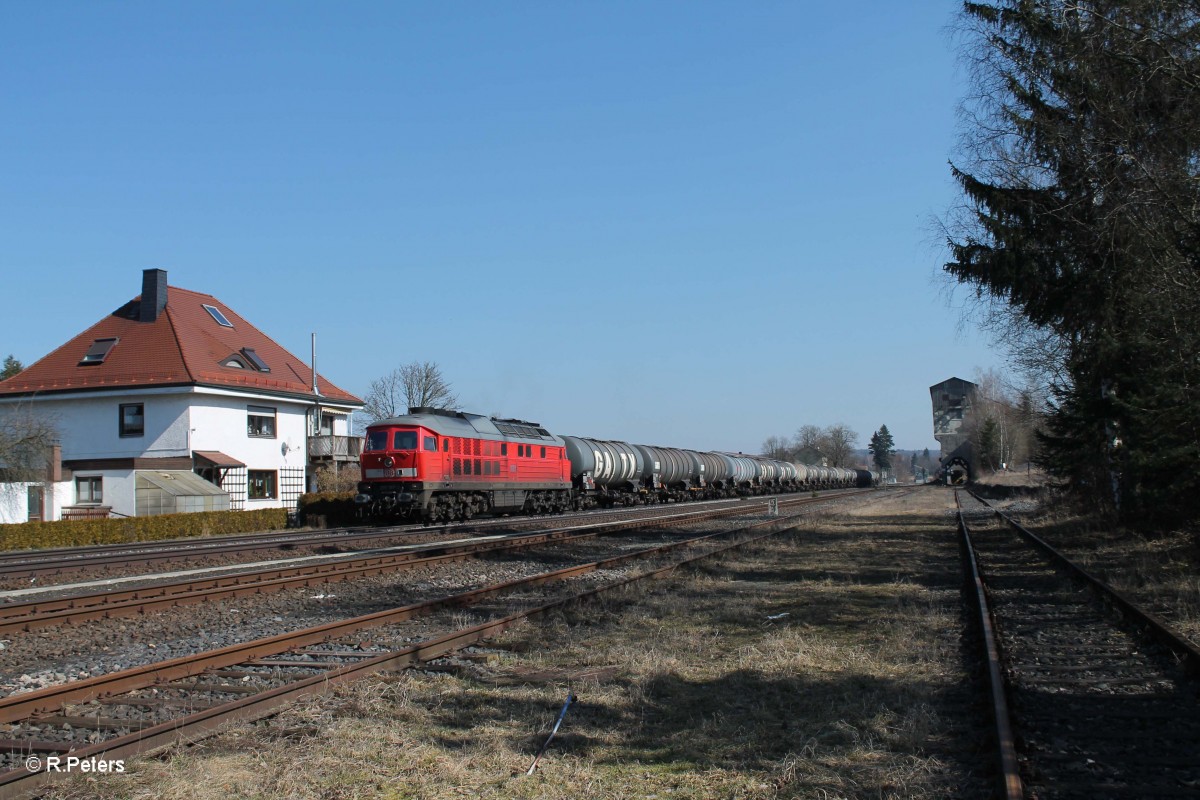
{"x":388,"y":462}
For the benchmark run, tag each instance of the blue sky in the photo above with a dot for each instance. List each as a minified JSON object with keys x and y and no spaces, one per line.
{"x":693,"y":224}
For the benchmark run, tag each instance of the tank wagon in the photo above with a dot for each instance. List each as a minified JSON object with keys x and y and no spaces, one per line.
{"x":437,"y":466}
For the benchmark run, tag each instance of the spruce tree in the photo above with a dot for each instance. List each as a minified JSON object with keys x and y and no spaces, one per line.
{"x":882,"y":448}
{"x":11,"y":367}
{"x":1082,"y":182}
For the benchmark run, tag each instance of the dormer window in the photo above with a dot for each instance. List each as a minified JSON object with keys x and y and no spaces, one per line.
{"x":98,"y":351}
{"x":216,"y":314}
{"x":246,"y":358}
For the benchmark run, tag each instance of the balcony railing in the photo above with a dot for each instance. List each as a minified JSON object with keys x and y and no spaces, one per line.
{"x":334,"y":448}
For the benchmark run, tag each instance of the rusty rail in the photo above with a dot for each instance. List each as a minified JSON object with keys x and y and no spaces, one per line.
{"x":1154,"y":626}
{"x":1010,"y":777}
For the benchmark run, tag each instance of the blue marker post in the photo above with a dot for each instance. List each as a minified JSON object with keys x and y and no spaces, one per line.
{"x":570,"y":699}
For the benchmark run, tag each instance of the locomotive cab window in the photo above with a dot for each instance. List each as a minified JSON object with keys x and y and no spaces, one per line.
{"x":404,"y":440}
{"x":445,"y":445}
{"x":431,"y":444}
{"x":543,"y":452}
{"x":504,"y":448}
{"x":376,"y":440}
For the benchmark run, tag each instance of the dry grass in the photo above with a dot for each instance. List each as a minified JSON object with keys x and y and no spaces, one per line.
{"x":1031,"y":476}
{"x":825,"y":664}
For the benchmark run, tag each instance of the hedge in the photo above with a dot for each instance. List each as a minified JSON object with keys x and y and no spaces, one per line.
{"x":74,"y":533}
{"x":323,"y":509}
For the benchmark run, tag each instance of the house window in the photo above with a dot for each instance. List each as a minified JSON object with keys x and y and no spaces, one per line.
{"x":260,"y":421}
{"x":260,"y":485}
{"x":326,"y":424}
{"x":132,"y":419}
{"x":89,"y":490}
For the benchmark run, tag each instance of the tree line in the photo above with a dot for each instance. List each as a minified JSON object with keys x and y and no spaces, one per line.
{"x":832,"y":446}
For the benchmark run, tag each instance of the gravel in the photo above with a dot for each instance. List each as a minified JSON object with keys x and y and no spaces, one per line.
{"x":57,"y":655}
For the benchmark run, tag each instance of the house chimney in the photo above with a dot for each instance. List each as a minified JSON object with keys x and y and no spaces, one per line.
{"x":56,"y":468}
{"x":154,"y":294}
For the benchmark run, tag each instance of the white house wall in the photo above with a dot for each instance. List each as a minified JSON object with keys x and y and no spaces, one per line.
{"x":89,"y":427}
{"x":14,"y":500}
{"x":221,"y":424}
{"x":118,"y":488}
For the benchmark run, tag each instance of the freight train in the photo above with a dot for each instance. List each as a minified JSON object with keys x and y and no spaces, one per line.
{"x":436,"y":466}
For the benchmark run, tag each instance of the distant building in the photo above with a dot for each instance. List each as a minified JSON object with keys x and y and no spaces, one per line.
{"x":175,"y":403}
{"x":951,"y":407}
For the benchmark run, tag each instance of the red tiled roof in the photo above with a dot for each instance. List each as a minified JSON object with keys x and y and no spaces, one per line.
{"x":184,"y":346}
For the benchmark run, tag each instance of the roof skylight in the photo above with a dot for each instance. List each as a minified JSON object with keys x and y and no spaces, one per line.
{"x":216,"y":314}
{"x":98,"y":351}
{"x":254,"y":359}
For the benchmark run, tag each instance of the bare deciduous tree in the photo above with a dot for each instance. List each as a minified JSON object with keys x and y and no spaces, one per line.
{"x":337,"y":480}
{"x":777,"y":447}
{"x":1001,"y":422}
{"x":25,"y":441}
{"x":419,"y":384}
{"x":808,"y":443}
{"x":831,"y":447}
{"x":839,"y":444}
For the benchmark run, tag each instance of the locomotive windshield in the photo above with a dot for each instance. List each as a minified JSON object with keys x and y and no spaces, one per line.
{"x":402,"y":440}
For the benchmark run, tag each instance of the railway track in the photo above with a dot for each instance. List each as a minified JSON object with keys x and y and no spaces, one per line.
{"x":1087,"y":703}
{"x":20,"y":617}
{"x":116,"y":715}
{"x":22,"y":566}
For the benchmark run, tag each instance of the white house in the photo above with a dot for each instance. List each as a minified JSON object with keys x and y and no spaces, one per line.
{"x":174,"y":403}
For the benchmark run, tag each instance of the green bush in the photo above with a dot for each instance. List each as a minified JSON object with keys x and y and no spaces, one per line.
{"x":74,"y":533}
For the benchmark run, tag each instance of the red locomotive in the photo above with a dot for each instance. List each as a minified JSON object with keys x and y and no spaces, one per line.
{"x":437,"y":465}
